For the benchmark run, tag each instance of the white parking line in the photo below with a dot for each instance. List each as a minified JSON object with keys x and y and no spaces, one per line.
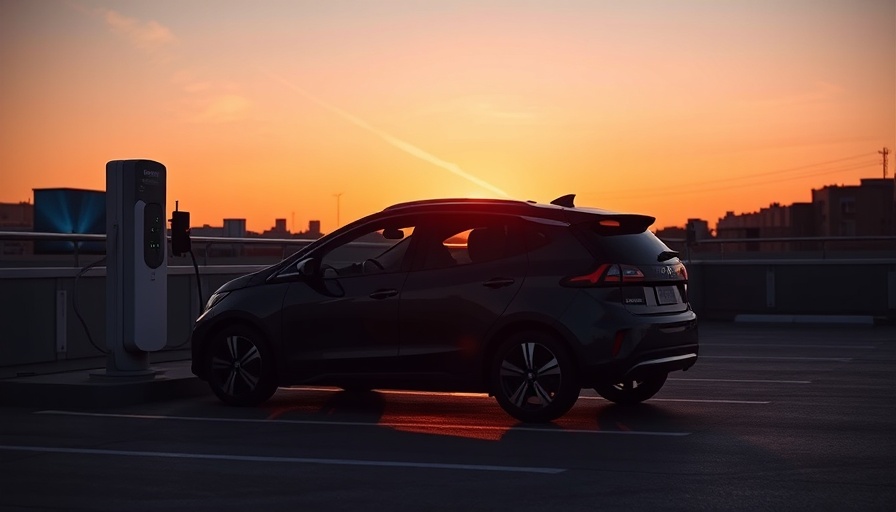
{"x":771,"y":358}
{"x":292,"y":460}
{"x":393,"y":392}
{"x":429,"y":426}
{"x":484,"y":395}
{"x":751,"y":381}
{"x":777,"y":345}
{"x":696,"y":401}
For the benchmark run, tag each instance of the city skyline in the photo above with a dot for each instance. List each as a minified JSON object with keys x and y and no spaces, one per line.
{"x":282,"y":225}
{"x":672,"y":109}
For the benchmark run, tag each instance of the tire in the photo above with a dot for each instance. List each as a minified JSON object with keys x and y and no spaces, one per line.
{"x":632,"y":391}
{"x":533,"y":377}
{"x":240,"y":366}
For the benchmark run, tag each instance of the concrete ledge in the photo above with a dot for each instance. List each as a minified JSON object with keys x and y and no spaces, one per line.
{"x":78,"y":389}
{"x":807,"y":319}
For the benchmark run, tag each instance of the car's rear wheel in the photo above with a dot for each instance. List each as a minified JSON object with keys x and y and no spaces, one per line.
{"x":632,"y":391}
{"x":240,"y":366}
{"x":533,"y":377}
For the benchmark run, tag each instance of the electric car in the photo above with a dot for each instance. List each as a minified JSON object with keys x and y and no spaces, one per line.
{"x":527,"y":302}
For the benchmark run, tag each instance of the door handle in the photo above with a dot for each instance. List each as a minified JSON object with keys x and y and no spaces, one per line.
{"x":383,"y":294}
{"x":498,"y":282}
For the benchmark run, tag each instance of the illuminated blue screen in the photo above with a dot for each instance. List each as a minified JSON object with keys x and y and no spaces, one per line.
{"x":66,"y":210}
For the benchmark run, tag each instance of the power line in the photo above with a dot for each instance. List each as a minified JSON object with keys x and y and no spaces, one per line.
{"x":691,"y":190}
{"x":807,"y":171}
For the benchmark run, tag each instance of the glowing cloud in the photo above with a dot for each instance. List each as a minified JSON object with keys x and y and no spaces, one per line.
{"x":224,"y":109}
{"x":405,"y":146}
{"x":149,"y":36}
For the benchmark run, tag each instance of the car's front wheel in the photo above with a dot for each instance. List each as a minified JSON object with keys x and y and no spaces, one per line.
{"x":631,"y":391}
{"x":534,"y":378}
{"x":240,"y":366}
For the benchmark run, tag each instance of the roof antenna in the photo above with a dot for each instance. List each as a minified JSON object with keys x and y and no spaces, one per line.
{"x":565,"y":201}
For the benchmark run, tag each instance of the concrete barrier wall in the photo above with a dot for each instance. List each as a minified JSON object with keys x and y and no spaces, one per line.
{"x":724,"y":289}
{"x":39,"y":325}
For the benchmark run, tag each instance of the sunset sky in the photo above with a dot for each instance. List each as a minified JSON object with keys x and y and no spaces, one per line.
{"x":267,"y":109}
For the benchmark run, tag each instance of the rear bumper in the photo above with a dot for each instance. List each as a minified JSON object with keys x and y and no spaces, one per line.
{"x":661,"y":365}
{"x":648,"y":349}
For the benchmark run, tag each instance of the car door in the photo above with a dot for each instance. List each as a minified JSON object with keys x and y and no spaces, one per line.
{"x":343,"y":319}
{"x":467,"y":269}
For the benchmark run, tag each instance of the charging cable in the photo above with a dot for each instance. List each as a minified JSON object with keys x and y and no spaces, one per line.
{"x":75,"y":302}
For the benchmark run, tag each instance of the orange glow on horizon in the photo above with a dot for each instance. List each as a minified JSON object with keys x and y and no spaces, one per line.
{"x":677,"y":110}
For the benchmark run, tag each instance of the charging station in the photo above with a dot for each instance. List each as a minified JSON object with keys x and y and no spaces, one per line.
{"x":136,"y":265}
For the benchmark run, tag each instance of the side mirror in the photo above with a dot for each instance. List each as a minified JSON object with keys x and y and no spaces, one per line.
{"x":393,"y":234}
{"x":317,"y":278}
{"x":308,"y":267}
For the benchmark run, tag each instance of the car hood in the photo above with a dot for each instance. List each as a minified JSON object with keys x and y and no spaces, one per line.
{"x":253,"y":279}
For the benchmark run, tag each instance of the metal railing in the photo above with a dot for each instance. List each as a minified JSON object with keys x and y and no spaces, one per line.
{"x":204,"y":242}
{"x":823,"y":243}
{"x":39,"y":298}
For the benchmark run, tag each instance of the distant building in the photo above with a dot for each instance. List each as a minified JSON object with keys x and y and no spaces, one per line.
{"x":867,"y":209}
{"x":278,"y":231}
{"x":675,"y":237}
{"x":16,"y":217}
{"x":313,"y":229}
{"x":776,"y":221}
{"x":234,"y":228}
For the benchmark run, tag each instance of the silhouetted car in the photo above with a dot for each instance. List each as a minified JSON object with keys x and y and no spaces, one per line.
{"x":528,"y":302}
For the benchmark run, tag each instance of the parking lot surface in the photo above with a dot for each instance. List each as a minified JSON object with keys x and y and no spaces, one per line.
{"x":770,"y":418}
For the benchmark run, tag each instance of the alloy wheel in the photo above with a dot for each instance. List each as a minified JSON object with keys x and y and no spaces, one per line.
{"x":533,"y":377}
{"x":236,"y":365}
{"x":240,"y":367}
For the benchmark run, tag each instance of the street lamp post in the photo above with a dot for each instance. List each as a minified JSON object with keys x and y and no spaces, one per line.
{"x":337,"y":196}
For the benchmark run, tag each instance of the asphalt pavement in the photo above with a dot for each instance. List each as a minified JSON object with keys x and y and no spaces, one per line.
{"x":788,"y":417}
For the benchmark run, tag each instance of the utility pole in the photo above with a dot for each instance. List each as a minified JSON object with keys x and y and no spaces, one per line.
{"x":885,"y":152}
{"x":337,"y":196}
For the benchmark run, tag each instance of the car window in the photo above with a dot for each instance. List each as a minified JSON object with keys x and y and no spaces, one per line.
{"x":375,"y":248}
{"x":469,"y":239}
{"x":634,"y":248}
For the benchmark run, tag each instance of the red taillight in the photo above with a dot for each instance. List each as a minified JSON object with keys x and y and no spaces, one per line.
{"x":589,"y":279}
{"x":607,"y":273}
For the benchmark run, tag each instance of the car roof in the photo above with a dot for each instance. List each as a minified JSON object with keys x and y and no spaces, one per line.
{"x":561,"y":208}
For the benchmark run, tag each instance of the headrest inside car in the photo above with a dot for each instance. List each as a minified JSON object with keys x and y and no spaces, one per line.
{"x":486,"y":244}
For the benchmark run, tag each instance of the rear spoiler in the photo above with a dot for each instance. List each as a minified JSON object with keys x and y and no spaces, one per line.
{"x":605,"y":222}
{"x":567,"y":201}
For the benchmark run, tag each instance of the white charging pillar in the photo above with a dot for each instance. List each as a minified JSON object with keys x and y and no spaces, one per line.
{"x":136,"y":265}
